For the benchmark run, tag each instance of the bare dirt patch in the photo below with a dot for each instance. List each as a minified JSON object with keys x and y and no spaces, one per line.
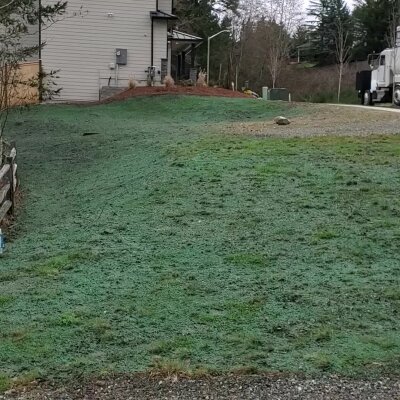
{"x":321,"y":120}
{"x":178,"y":90}
{"x":230,"y":387}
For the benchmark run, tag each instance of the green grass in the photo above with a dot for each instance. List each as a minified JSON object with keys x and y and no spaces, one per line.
{"x":161,"y":243}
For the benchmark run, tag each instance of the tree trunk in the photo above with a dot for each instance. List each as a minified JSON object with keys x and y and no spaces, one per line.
{"x":1,"y":146}
{"x":340,"y":81}
{"x":273,"y":79}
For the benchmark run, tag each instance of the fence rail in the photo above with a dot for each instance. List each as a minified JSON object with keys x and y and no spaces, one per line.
{"x":8,"y":183}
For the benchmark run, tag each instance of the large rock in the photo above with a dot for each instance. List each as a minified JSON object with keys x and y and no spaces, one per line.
{"x":281,"y":121}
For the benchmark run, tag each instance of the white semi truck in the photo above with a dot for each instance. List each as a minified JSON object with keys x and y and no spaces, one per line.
{"x":381,"y":83}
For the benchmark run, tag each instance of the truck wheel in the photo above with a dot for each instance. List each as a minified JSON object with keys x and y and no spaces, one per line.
{"x":367,"y":99}
{"x":396,"y":96}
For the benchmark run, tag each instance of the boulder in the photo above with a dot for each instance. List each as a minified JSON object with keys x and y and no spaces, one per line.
{"x":281,"y":121}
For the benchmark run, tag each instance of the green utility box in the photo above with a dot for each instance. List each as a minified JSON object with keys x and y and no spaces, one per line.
{"x":276,"y":94}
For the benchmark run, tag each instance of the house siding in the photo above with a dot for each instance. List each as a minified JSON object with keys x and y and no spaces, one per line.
{"x":32,"y":40}
{"x":82,"y":46}
{"x":165,"y":5}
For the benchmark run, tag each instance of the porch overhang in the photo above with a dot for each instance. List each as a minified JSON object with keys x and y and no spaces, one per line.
{"x":177,"y":36}
{"x":183,"y":45}
{"x":162,"y":15}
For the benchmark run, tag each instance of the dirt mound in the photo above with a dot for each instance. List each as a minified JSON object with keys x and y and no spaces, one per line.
{"x":180,"y":90}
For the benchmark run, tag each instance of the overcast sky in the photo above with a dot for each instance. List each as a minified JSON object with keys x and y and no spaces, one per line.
{"x":349,"y":2}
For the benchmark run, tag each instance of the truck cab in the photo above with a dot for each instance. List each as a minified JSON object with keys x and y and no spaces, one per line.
{"x":382,"y":71}
{"x":376,"y":84}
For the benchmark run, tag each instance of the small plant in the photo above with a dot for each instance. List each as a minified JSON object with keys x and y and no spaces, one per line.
{"x":170,"y":367}
{"x":69,"y":319}
{"x":132,"y":83}
{"x":5,"y":383}
{"x":202,"y":79}
{"x":323,"y":334}
{"x":326,"y":235}
{"x":320,"y":361}
{"x":4,"y":300}
{"x":169,"y":81}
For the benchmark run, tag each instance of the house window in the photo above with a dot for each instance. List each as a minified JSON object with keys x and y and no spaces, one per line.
{"x":382,"y":60}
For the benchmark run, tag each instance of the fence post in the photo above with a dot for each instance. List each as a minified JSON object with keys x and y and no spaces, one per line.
{"x":12,"y":191}
{"x":14,"y":164}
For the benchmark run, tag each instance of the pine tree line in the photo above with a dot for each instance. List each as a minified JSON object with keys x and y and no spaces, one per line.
{"x":328,"y":33}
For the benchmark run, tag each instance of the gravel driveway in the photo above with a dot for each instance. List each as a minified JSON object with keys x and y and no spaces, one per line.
{"x":229,"y":387}
{"x":324,"y":120}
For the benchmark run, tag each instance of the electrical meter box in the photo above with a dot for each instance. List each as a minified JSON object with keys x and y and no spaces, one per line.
{"x":121,"y":56}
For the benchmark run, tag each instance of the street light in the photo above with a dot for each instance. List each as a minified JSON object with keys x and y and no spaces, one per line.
{"x":208,"y":52}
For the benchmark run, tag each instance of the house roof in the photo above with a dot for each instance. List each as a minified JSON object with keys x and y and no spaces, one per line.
{"x":162,"y":15}
{"x":305,"y":46}
{"x":178,"y":36}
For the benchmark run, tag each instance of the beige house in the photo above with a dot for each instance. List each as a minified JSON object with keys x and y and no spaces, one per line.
{"x":23,"y":92}
{"x":103,"y":43}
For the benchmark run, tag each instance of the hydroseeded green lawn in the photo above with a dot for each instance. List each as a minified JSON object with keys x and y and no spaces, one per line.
{"x":160,"y":243}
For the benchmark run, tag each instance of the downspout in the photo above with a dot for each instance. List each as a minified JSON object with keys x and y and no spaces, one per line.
{"x":152,"y":37}
{"x":40,"y":77}
{"x":152,"y":42}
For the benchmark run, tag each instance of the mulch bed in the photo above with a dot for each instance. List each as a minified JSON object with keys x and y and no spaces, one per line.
{"x":177,"y":90}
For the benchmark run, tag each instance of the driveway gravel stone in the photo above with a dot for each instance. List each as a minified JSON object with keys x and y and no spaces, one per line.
{"x":230,"y":387}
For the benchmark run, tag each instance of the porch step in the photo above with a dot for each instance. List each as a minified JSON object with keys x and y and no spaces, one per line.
{"x":110,"y":91}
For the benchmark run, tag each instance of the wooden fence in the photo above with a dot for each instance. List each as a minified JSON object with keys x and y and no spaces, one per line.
{"x":8,"y":183}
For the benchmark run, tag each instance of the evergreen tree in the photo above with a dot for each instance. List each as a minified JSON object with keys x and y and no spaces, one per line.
{"x":329,"y":16}
{"x":374,"y":22}
{"x":18,"y":19}
{"x":302,"y":38}
{"x":205,"y":18}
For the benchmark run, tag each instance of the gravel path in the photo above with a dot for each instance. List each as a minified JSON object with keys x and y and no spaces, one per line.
{"x":368,"y":108}
{"x":221,"y":388}
{"x":324,"y":120}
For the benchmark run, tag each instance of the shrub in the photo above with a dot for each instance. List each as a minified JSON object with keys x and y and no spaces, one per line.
{"x":133,"y":83}
{"x":169,"y":81}
{"x":201,"y":80}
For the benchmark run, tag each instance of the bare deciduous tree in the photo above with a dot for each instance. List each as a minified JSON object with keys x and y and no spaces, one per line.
{"x":343,"y":48}
{"x":284,"y":18}
{"x":247,"y":11}
{"x":271,"y":24}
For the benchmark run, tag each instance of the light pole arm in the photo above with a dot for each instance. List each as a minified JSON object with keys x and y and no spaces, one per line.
{"x":213,"y":36}
{"x":208,"y":52}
